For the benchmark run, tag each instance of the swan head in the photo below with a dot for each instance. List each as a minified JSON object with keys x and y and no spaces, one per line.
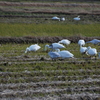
{"x":46,"y":46}
{"x":88,"y":47}
{"x":57,"y":50}
{"x":59,"y":42}
{"x":36,"y":44}
{"x":99,"y":54}
{"x":27,"y":49}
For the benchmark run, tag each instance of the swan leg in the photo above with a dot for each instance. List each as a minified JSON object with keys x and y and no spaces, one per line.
{"x":89,"y":57}
{"x":54,"y":59}
{"x":95,"y":57}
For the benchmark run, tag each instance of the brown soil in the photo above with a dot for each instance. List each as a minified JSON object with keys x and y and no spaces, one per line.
{"x":30,"y":39}
{"x":50,"y":5}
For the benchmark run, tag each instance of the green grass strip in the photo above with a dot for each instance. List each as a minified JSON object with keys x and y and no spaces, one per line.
{"x":57,"y":29}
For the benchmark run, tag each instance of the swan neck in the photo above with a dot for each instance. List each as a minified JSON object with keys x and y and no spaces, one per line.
{"x":27,"y":49}
{"x":99,"y":55}
{"x":58,"y":50}
{"x":46,"y":47}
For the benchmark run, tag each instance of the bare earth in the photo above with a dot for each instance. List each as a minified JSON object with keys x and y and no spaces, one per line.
{"x":58,"y":8}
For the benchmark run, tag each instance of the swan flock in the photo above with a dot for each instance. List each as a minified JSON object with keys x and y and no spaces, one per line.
{"x":55,"y":52}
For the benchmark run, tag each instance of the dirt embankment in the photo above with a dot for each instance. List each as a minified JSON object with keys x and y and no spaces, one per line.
{"x":50,"y":8}
{"x":48,"y":4}
{"x":30,"y":39}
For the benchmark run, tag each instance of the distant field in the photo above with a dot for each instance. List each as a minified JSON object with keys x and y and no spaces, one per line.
{"x":48,"y":9}
{"x":34,"y":19}
{"x":53,"y":0}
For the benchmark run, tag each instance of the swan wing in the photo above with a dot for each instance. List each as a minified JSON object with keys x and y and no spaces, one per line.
{"x":94,"y":41}
{"x":34,"y":47}
{"x":65,"y":41}
{"x":54,"y":54}
{"x":57,"y":45}
{"x":76,"y":18}
{"x":65,"y":54}
{"x":92,"y":51}
{"x":83,"y":49}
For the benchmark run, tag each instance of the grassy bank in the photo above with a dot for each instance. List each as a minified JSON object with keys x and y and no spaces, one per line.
{"x":58,"y":29}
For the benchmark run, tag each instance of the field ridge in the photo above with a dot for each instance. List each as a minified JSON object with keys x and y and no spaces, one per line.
{"x":46,"y":39}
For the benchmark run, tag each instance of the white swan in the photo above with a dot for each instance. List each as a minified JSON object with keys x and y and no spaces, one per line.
{"x":83,"y":50}
{"x":77,"y":18}
{"x":65,"y":54}
{"x":62,"y":19}
{"x":54,"y":46}
{"x":34,"y":47}
{"x":81,"y":42}
{"x":94,"y":41}
{"x":91,"y":52}
{"x":56,"y":18}
{"x":54,"y":55}
{"x":65,"y":41}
